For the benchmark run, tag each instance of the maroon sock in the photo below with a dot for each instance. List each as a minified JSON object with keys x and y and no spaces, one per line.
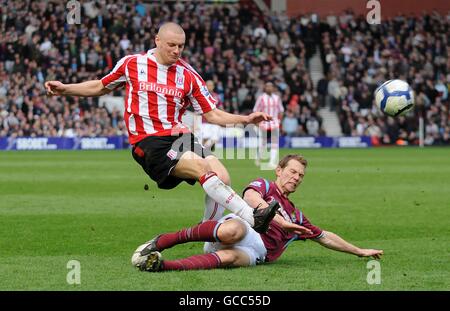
{"x":204,"y":261}
{"x":206,"y":232}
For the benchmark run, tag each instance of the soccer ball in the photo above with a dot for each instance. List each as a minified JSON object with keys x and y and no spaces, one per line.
{"x":394,"y":97}
{"x":137,"y":259}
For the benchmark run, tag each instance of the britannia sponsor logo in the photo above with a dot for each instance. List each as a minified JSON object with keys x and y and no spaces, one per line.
{"x":160,"y":88}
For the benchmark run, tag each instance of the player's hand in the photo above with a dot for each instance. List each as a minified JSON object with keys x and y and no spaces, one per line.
{"x":297,"y":229}
{"x":375,"y":253}
{"x":291,"y":227}
{"x":257,"y":117}
{"x":54,"y":88}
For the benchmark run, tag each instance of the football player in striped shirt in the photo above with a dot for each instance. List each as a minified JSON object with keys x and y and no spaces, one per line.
{"x":159,"y":87}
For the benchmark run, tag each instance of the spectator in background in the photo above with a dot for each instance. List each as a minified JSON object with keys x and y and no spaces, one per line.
{"x":290,"y":125}
{"x":334,"y":93}
{"x":322,"y":90}
{"x":269,"y":131}
{"x":313,"y":125}
{"x":374,"y":131}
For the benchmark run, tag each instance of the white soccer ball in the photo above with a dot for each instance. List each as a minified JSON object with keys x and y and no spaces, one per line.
{"x":137,"y":259}
{"x":394,"y":97}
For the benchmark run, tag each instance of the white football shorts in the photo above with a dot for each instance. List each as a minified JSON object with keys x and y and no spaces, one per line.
{"x":251,"y":244}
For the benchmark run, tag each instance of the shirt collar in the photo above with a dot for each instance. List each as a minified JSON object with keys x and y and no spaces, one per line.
{"x":151,"y":55}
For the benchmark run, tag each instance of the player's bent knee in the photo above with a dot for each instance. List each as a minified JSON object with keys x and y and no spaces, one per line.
{"x":232,"y":231}
{"x":227,"y":257}
{"x":233,"y":258}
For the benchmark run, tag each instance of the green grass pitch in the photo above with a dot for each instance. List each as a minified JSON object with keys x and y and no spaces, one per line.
{"x":91,"y":206}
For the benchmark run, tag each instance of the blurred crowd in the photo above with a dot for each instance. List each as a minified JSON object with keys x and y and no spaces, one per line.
{"x":359,"y":57}
{"x":236,"y":47}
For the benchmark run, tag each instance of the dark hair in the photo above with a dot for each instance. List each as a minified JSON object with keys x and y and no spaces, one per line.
{"x":284,"y":161}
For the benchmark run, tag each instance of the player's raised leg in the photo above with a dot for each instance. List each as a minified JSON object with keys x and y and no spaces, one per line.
{"x":192,"y":166}
{"x":213,"y":210}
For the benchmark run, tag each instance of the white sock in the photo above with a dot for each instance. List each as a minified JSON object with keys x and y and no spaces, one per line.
{"x":274,"y":156}
{"x":213,"y":210}
{"x":226,"y":197}
{"x":262,"y":153}
{"x":258,"y":154}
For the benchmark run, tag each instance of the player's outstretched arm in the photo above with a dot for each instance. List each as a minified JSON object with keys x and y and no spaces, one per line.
{"x":87,"y":89}
{"x":333,"y":241}
{"x":223,"y":118}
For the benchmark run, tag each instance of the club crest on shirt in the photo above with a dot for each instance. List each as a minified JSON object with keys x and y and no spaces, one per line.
{"x":180,"y":81}
{"x":285,"y":215}
{"x":293,"y":217}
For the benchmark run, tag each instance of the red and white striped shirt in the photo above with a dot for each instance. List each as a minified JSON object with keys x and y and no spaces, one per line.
{"x":157,"y":95}
{"x":270,"y":104}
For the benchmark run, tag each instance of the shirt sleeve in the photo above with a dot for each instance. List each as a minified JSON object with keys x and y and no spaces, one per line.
{"x":260,"y":185}
{"x":316,"y":231}
{"x":116,"y":78}
{"x":201,"y":99}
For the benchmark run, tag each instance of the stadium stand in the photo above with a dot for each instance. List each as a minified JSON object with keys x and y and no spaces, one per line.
{"x":236,"y":47}
{"x":358,"y":58}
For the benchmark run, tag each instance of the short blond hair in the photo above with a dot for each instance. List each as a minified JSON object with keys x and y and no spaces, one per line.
{"x":284,"y":161}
